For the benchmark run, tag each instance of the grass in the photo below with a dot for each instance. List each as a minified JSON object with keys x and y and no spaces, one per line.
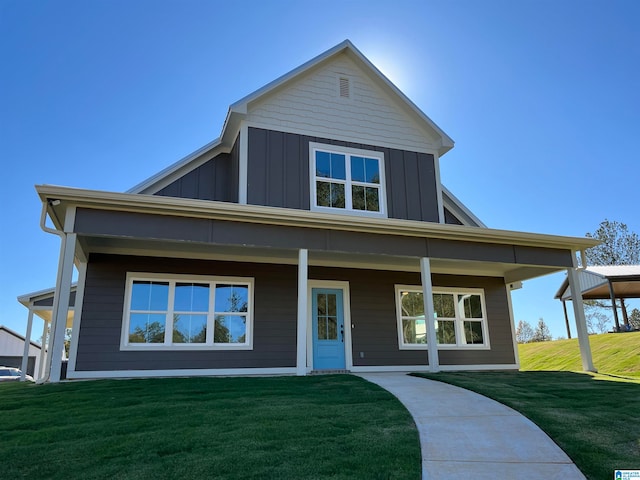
{"x":613,"y":353}
{"x":328,"y":427}
{"x":595,"y":419}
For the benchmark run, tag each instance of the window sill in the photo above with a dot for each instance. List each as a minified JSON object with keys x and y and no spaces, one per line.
{"x":446,"y":347}
{"x":183,"y":348}
{"x":347,"y":212}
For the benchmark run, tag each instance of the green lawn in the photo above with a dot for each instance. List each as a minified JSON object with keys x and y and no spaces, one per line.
{"x":613,"y":353}
{"x":335,"y":427}
{"x":595,"y":419}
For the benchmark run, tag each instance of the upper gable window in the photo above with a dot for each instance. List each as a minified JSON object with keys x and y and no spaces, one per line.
{"x":347,"y":180}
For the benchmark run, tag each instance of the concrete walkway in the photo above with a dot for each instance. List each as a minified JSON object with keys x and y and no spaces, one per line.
{"x":466,"y":435}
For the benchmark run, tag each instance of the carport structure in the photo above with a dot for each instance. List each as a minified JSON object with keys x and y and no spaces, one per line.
{"x":601,"y":283}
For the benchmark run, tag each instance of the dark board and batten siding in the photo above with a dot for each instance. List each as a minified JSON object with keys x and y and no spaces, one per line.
{"x":373,"y":315}
{"x":215,"y":180}
{"x":278,"y":174}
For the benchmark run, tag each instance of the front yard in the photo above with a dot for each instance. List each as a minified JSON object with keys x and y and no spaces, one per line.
{"x":338,"y":427}
{"x":595,"y":419}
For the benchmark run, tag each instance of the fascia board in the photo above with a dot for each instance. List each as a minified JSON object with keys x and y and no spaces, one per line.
{"x":147,"y":186}
{"x":26,"y":298}
{"x":301,"y":218}
{"x":241,"y":105}
{"x":446,"y":142}
{"x":455,"y":201}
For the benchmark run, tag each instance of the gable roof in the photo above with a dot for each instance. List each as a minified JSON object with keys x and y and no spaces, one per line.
{"x":18,"y":336}
{"x":459,"y":209}
{"x":238,"y":110}
{"x":595,"y":282}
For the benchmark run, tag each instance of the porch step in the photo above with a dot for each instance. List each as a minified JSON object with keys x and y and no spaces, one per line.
{"x":327,"y":372}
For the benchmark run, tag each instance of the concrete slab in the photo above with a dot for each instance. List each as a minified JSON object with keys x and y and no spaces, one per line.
{"x":466,"y":435}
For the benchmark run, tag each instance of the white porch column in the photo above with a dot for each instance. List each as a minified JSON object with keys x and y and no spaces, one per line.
{"x":27,"y":344}
{"x":61,"y":307}
{"x":43,"y":351}
{"x":429,"y":314}
{"x":303,"y":282}
{"x":77,"y":316}
{"x":581,"y":322}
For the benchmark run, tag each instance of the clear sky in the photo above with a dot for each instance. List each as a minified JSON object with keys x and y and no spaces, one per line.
{"x":542,"y":98}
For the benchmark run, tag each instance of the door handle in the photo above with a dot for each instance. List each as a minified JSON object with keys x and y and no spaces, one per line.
{"x":342,"y":333}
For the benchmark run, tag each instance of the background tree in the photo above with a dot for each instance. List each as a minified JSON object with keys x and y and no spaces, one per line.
{"x":597,"y":322}
{"x":619,"y":247}
{"x":541,"y":332}
{"x":634,"y":319}
{"x":524,"y":332}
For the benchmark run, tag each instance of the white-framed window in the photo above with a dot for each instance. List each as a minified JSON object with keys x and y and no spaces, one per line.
{"x":460,"y":317}
{"x":347,"y":180}
{"x":177,"y":312}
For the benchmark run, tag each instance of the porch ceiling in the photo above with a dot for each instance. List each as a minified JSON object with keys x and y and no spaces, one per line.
{"x":511,"y":272}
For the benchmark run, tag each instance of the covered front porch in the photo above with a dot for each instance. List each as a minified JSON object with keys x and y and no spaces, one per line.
{"x":40,"y":305}
{"x":168,"y":230}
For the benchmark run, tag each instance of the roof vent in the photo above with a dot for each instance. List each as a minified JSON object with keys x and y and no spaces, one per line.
{"x":344,"y":87}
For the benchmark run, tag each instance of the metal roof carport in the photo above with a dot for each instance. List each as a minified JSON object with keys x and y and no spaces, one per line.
{"x":602,"y":283}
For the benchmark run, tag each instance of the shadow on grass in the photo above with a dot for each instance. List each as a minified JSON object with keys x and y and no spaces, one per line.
{"x":595,"y":419}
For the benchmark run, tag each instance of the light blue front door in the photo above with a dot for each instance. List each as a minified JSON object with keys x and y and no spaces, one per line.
{"x":328,"y":329}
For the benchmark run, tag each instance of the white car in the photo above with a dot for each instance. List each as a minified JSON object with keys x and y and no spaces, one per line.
{"x":10,"y":374}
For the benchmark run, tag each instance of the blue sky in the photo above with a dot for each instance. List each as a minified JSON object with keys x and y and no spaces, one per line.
{"x":542,"y":98}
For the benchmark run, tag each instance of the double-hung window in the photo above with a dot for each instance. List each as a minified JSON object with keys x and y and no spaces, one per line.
{"x":460,"y":318}
{"x":187,"y":312}
{"x":347,"y":180}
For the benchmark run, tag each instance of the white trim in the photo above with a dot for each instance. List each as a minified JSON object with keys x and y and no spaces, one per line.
{"x":513,"y":326}
{"x":498,"y":366}
{"x":172,"y":279}
{"x":77,"y":314}
{"x":429,"y":314}
{"x":436,"y":164}
{"x":191,"y":208}
{"x":458,"y":322}
{"x":61,"y":306}
{"x":425,"y":368}
{"x":70,"y":219}
{"x":445,"y":142}
{"x":181,"y":373}
{"x":303,"y":288}
{"x":336,"y":136}
{"x":27,"y":347}
{"x":581,"y":323}
{"x":243,"y":164}
{"x":452,"y":202}
{"x":43,"y":351}
{"x":348,"y":182}
{"x":180,"y":168}
{"x":346,"y":305}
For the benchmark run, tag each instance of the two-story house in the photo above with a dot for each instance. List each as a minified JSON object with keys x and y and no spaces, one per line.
{"x":313,"y":234}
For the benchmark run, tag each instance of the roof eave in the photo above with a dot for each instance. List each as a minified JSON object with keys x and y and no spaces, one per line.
{"x":294,"y":217}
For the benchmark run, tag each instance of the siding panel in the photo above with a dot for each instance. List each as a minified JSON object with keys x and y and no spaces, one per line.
{"x":313,"y":104}
{"x":374,"y":327}
{"x":373,"y":316}
{"x":216,"y":180}
{"x":99,"y":336}
{"x":278,"y":174}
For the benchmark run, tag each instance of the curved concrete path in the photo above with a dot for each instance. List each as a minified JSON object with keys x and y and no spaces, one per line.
{"x":466,"y":435}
